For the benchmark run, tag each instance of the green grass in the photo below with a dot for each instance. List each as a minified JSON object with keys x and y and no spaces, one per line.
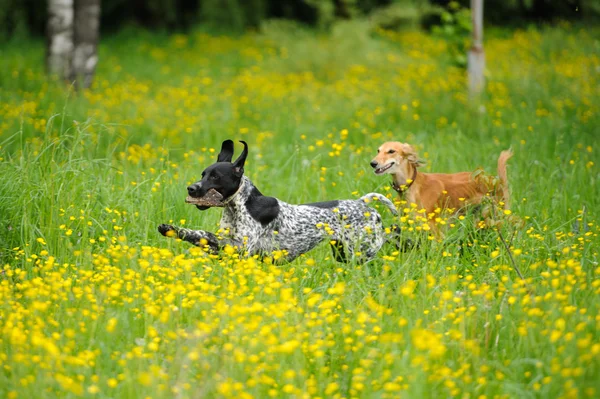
{"x":94,"y":302}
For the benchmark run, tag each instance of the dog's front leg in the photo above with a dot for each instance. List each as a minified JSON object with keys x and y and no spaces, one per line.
{"x":194,"y":237}
{"x":198,"y":238}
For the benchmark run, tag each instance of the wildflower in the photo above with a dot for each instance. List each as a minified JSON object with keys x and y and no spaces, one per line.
{"x":93,"y":389}
{"x":331,"y":388}
{"x":111,"y":325}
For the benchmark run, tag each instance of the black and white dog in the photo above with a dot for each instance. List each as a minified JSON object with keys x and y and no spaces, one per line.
{"x":262,"y":225}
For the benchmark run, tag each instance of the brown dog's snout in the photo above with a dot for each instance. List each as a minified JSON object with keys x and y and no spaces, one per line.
{"x":374,"y":163}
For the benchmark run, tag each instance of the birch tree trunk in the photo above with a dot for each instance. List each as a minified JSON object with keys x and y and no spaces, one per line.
{"x":60,"y":37}
{"x":87,"y":31}
{"x":476,"y":57}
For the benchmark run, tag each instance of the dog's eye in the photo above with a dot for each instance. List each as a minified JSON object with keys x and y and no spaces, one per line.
{"x":391,"y":151}
{"x":214,"y":177}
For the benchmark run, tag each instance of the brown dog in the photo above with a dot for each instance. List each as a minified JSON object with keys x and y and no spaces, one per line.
{"x":452,"y":192}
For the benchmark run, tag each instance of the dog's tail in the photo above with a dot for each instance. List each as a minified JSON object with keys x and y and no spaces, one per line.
{"x":382,"y":198}
{"x":502,"y":160}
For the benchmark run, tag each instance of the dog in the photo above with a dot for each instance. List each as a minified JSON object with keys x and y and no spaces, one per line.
{"x":453,"y":192}
{"x":261,"y":225}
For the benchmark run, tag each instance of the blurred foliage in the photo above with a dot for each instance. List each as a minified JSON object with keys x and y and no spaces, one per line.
{"x":27,"y":17}
{"x":21,"y":17}
{"x":233,"y":14}
{"x":455,"y":27}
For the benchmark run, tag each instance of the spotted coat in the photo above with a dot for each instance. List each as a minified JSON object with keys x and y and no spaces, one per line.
{"x":352,"y":228}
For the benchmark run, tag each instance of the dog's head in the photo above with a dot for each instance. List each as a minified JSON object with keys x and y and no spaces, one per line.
{"x":394,"y":157}
{"x":223,"y":177}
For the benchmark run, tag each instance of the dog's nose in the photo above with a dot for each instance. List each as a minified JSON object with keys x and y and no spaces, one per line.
{"x":373,"y":164}
{"x":193,"y":189}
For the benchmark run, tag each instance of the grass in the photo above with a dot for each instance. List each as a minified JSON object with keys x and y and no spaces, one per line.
{"x":95,"y":303}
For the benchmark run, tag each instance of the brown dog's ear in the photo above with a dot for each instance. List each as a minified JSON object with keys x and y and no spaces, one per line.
{"x":410,"y":154}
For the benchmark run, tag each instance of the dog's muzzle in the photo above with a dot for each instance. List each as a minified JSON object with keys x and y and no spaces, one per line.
{"x":381,"y":169}
{"x":194,"y":189}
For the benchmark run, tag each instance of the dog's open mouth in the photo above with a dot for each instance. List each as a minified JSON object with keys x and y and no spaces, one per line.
{"x":379,"y":171}
{"x":212,"y":198}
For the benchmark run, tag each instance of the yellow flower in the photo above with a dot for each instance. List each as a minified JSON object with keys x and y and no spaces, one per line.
{"x":112,"y":382}
{"x":331,"y":388}
{"x":408,"y":287}
{"x":93,"y":389}
{"x":111,"y":325}
{"x":145,"y":378}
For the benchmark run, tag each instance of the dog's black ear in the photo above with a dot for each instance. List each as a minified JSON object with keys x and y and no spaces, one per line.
{"x":239,"y":163}
{"x":226,"y":151}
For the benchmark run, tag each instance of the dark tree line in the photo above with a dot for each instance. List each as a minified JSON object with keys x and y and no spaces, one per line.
{"x":28,"y":17}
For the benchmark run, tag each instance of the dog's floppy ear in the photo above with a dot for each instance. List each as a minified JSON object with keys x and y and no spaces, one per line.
{"x":411,"y":155}
{"x":239,"y":163}
{"x":226,"y":151}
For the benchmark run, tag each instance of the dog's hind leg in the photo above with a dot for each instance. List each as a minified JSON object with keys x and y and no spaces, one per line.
{"x":402,"y":244}
{"x":199,"y":238}
{"x":339,"y":253}
{"x":502,"y":160}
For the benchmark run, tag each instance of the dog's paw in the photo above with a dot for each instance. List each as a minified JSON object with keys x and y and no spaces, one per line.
{"x":408,"y":245}
{"x":167,"y":230}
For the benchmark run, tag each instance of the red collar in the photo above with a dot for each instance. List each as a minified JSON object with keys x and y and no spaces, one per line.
{"x":401,"y":190}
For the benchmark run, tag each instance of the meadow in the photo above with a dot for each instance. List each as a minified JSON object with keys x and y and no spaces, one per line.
{"x":95,"y":303}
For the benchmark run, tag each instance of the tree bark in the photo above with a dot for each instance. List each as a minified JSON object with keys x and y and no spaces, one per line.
{"x":476,"y":56}
{"x":87,"y":32}
{"x":60,"y":37}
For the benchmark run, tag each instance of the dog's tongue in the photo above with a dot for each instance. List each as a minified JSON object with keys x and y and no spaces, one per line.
{"x":212,"y":198}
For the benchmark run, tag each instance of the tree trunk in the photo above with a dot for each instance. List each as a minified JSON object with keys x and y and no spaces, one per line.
{"x":60,"y":37}
{"x":476,"y":57}
{"x":87,"y":31}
